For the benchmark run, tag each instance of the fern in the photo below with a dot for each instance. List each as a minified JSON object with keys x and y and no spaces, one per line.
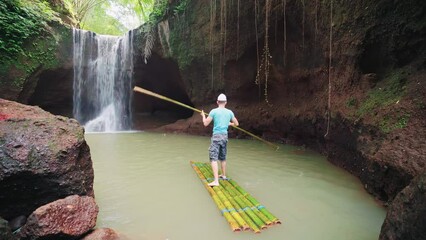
{"x":149,"y":38}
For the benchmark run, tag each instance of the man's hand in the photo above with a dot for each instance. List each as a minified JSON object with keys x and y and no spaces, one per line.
{"x":206,"y":120}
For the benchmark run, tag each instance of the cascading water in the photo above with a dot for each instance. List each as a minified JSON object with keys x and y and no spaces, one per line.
{"x":103,"y":71}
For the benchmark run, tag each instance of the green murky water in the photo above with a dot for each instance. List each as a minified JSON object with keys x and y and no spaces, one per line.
{"x":146,"y":189}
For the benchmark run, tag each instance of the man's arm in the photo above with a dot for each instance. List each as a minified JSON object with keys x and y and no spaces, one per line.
{"x":206,"y":120}
{"x":234,"y":122}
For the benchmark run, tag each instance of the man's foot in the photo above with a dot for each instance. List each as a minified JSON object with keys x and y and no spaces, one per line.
{"x":223,"y":177}
{"x":213,"y":184}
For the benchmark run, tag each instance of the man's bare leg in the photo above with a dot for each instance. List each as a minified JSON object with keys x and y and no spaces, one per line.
{"x":223,"y":167}
{"x":215,"y":174}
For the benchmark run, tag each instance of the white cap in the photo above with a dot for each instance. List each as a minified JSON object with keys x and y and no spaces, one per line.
{"x":221,"y":98}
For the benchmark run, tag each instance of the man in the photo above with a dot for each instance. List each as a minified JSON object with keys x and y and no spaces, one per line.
{"x":222,"y":118}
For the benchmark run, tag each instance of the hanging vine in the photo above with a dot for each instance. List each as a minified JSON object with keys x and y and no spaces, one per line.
{"x":265,"y":64}
{"x":212,"y":23}
{"x":276,"y":28}
{"x":284,"y":3}
{"x":222,"y":36}
{"x":316,"y":20}
{"x":329,"y":69}
{"x":225,"y":14}
{"x":238,"y":28}
{"x":256,"y":10}
{"x":303,"y":25}
{"x":149,"y":36}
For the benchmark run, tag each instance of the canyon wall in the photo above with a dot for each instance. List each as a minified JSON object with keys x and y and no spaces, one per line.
{"x":346,"y":78}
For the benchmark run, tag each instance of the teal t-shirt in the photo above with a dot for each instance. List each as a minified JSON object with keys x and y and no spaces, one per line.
{"x":221,"y":118}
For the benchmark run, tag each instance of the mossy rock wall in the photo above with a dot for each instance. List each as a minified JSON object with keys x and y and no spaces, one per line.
{"x":208,"y":37}
{"x":20,"y":76}
{"x":44,"y":45}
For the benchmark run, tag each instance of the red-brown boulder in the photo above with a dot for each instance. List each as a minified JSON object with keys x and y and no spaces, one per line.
{"x":70,"y":217}
{"x":103,"y":234}
{"x":43,"y":158}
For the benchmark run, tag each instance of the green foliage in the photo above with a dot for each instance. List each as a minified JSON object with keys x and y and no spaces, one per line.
{"x":390,"y":91}
{"x":142,"y":8}
{"x":26,"y":40}
{"x":101,"y":23}
{"x":389,"y":123}
{"x":421,"y":105}
{"x":158,"y":12}
{"x":402,"y":121}
{"x":181,"y":7}
{"x":20,"y":20}
{"x":41,"y":52}
{"x":352,"y":102}
{"x":115,"y":17}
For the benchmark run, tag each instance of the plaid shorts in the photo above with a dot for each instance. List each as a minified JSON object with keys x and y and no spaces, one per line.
{"x":217,"y":150}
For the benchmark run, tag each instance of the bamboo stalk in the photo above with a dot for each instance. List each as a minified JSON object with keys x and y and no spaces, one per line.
{"x":260,"y":207}
{"x":254,"y":224}
{"x":241,"y":210}
{"x":232,"y":222}
{"x":247,"y":204}
{"x":251,"y":225}
{"x":258,"y":217}
{"x":147,"y":92}
{"x":231,"y":208}
{"x":251,"y":202}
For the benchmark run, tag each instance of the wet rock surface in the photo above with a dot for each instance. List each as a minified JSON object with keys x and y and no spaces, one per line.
{"x":5,"y":231}
{"x":103,"y":234}
{"x":66,"y":218}
{"x":42,"y":158}
{"x":406,"y":217}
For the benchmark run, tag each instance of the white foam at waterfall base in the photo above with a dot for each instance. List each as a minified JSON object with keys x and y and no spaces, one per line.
{"x":105,"y":122}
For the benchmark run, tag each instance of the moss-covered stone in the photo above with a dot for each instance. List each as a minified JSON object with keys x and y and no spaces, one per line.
{"x":40,"y":49}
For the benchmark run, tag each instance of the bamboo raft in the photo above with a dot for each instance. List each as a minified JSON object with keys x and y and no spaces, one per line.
{"x":241,"y":210}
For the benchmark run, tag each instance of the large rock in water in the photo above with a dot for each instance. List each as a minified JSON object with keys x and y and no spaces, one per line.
{"x":406,"y":217}
{"x":66,"y":218}
{"x":42,"y":158}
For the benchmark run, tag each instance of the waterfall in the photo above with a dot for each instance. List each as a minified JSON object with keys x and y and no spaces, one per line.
{"x":103,"y":71}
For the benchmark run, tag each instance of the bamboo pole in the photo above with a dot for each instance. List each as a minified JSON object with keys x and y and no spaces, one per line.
{"x":241,"y":210}
{"x":230,"y":208}
{"x":251,"y":225}
{"x":260,"y":219}
{"x":254,"y":224}
{"x":251,"y":202}
{"x":260,"y":207}
{"x":147,"y":92}
{"x":232,"y":222}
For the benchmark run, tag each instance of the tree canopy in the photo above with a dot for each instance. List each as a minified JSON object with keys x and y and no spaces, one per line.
{"x":113,"y":17}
